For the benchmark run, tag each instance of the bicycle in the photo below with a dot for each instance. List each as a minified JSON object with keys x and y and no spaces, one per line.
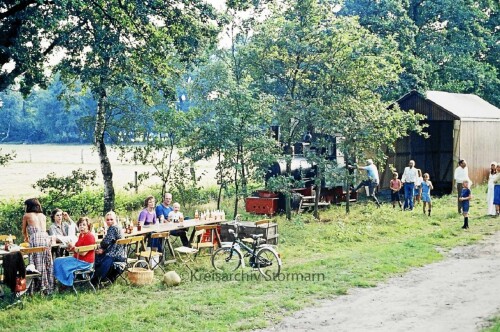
{"x":263,"y":257}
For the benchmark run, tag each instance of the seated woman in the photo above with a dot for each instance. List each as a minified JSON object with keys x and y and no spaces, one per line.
{"x":147,"y":217}
{"x":65,"y":266}
{"x":109,"y":252}
{"x":59,"y":230}
{"x":148,"y":214}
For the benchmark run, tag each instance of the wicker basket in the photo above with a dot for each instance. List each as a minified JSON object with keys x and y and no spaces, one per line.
{"x":140,"y":275}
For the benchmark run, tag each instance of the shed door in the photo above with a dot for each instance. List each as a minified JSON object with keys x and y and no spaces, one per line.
{"x":434,"y":155}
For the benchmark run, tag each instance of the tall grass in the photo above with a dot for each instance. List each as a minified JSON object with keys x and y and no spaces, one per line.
{"x":321,"y":259}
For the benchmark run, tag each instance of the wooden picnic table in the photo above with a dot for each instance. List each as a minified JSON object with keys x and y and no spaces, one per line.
{"x":171,"y":226}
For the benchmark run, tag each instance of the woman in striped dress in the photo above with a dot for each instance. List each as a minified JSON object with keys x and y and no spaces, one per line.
{"x":35,"y":232}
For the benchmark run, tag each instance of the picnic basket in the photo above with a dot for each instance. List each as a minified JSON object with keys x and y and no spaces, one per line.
{"x":139,"y":275}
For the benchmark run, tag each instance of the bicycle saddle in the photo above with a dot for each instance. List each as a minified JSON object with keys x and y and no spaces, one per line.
{"x":256,"y":236}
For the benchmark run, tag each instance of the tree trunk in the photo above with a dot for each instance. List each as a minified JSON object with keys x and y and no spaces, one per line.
{"x":243,"y":173}
{"x":236,"y":192}
{"x":107,"y":174}
{"x":288,"y":194}
{"x":221,"y":180}
{"x":317,"y":183}
{"x":347,"y":185}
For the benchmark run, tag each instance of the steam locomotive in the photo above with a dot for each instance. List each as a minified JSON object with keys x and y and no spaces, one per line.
{"x":332,"y":191}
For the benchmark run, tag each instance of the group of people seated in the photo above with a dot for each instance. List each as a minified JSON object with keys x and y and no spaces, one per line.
{"x":64,"y":230}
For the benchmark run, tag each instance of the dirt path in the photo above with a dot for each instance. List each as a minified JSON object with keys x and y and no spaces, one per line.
{"x":457,"y":294}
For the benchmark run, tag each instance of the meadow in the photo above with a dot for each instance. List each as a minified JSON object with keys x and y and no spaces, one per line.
{"x":35,"y":161}
{"x":321,"y":259}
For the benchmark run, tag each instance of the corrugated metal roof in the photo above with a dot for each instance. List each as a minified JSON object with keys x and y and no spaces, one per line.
{"x":465,"y":106}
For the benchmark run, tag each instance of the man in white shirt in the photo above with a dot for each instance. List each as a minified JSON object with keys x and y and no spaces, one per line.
{"x":372,"y":181}
{"x":461,"y":174}
{"x":410,"y":176}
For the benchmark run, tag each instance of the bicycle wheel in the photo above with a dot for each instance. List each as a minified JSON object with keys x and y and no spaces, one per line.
{"x":268,"y":263}
{"x":226,"y":259}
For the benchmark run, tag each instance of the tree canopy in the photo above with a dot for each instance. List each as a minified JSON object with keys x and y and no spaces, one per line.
{"x":448,"y":45}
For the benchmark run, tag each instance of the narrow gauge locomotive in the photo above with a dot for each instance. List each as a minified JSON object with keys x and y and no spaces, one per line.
{"x":332,"y":190}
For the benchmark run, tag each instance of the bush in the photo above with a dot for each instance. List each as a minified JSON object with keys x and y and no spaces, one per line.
{"x":11,"y":216}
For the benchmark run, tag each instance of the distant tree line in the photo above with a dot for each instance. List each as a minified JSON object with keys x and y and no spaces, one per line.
{"x":46,"y":116}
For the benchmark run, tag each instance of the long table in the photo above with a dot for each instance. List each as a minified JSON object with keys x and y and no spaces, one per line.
{"x":171,"y":226}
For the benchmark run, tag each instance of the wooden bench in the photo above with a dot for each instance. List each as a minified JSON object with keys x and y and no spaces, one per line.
{"x":308,"y":202}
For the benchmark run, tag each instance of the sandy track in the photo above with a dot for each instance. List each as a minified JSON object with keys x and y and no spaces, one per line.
{"x":456,"y":294}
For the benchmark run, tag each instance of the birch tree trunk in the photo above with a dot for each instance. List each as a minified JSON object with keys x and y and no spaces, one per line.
{"x":107,"y":174}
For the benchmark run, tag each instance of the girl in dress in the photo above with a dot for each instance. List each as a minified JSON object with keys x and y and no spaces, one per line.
{"x":491,"y":189}
{"x":425,"y":189}
{"x":496,"y":191}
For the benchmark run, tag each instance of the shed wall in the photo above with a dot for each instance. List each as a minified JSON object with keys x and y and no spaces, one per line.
{"x":479,"y":146}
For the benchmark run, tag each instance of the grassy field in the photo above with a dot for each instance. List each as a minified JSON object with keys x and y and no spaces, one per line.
{"x":321,"y":259}
{"x":34,"y":162}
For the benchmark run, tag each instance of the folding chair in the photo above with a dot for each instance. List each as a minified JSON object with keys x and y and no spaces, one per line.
{"x":155,"y":258}
{"x":12,"y":238}
{"x":126,"y":243}
{"x":31,"y":276}
{"x":206,"y":242}
{"x":187,"y":255}
{"x":84,"y":275}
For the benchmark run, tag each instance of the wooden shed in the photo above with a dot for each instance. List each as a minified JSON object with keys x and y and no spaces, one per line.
{"x":461,"y":126}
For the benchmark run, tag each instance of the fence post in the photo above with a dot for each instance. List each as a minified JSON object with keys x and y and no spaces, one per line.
{"x":135,"y":181}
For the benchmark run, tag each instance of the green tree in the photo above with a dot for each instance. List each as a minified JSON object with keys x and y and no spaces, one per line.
{"x":445,"y":45}
{"x":114,"y":45}
{"x":232,"y":118}
{"x":158,"y":148}
{"x":325,"y":72}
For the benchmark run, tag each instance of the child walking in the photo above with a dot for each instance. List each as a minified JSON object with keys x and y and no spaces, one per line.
{"x":395,"y":186}
{"x":425,"y":191}
{"x":417,"y":191}
{"x":465,"y":197}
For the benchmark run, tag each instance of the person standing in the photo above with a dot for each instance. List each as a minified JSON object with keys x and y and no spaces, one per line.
{"x":461,"y":175}
{"x":410,"y":176}
{"x":417,"y":190}
{"x":395,"y":186}
{"x":372,"y":181}
{"x":464,"y":199}
{"x":425,"y":192}
{"x":491,"y":189}
{"x":496,"y":191}
{"x":34,"y":229}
